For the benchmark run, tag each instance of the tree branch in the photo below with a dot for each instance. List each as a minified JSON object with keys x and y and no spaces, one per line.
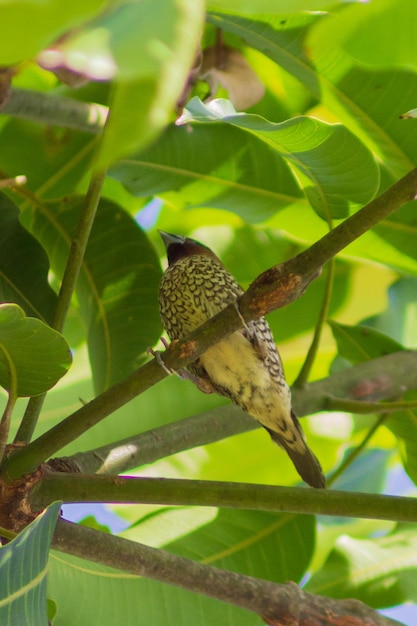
{"x":184,"y":492}
{"x":273,"y":289}
{"x":385,"y":377}
{"x":273,"y":602}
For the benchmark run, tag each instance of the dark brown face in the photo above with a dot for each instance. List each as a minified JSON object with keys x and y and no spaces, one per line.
{"x":180,"y":247}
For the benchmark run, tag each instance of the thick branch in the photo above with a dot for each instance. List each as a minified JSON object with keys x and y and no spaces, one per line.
{"x":183,"y":492}
{"x":273,"y":289}
{"x":275,"y":603}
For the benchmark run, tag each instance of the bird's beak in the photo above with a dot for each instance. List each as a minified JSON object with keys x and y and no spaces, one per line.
{"x":169,"y":238}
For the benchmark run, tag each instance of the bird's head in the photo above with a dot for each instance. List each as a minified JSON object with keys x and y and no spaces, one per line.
{"x":179,"y":247}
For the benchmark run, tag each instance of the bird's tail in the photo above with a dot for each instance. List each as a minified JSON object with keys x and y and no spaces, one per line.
{"x":305,"y":462}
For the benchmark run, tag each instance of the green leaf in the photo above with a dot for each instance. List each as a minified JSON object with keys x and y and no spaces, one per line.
{"x":362,"y":343}
{"x":230,"y":176}
{"x":242,"y":541}
{"x":366,"y":101}
{"x":403,"y":425}
{"x":123,"y":597}
{"x":48,"y":20}
{"x":33,"y":356}
{"x":153,"y":44}
{"x":212,"y":166}
{"x":380,"y":572}
{"x":399,"y":320}
{"x":276,"y":6}
{"x":118,"y":285}
{"x":24,"y":266}
{"x":23,"y":572}
{"x":328,"y":159}
{"x":56,"y":161}
{"x":399,"y":230}
{"x":361,"y":28}
{"x":280,"y":37}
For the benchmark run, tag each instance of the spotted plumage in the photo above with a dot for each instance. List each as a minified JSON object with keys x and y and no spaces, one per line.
{"x":245,"y":366}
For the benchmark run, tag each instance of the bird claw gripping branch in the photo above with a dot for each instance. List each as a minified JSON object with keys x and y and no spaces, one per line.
{"x":244,"y":366}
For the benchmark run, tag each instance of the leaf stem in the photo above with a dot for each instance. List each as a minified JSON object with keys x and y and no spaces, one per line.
{"x":11,"y":402}
{"x":353,"y":455}
{"x":5,"y":423}
{"x":305,"y":370}
{"x":361,"y":407}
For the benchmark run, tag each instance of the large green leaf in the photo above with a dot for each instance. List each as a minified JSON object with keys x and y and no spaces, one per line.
{"x":211,"y":166}
{"x":381,"y":572}
{"x":400,"y":230}
{"x":361,"y":28}
{"x":56,"y":161}
{"x":403,"y":424}
{"x":239,"y":541}
{"x":243,"y":541}
{"x":247,"y":7}
{"x":399,"y":319}
{"x":153,"y":44}
{"x":33,"y":356}
{"x":367,"y":101}
{"x":48,"y":20}
{"x":118,"y":284}
{"x":361,"y":343}
{"x":115,"y":597}
{"x":280,"y":37}
{"x":24,"y":266}
{"x":328,"y":159}
{"x":23,"y":572}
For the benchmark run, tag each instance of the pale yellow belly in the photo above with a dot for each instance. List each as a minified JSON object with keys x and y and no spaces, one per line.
{"x":234,"y":364}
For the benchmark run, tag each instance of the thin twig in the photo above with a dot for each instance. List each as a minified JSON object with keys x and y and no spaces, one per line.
{"x":353,"y":455}
{"x":305,"y":370}
{"x":11,"y":401}
{"x":359,"y":406}
{"x":5,"y":422}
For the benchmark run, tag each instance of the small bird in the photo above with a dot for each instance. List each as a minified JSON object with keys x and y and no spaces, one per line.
{"x":245,"y":366}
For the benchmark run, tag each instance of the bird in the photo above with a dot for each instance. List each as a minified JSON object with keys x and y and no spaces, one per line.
{"x":245,"y":366}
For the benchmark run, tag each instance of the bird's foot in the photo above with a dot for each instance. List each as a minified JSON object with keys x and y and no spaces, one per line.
{"x":242,"y":319}
{"x":203,"y":384}
{"x":159,"y":359}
